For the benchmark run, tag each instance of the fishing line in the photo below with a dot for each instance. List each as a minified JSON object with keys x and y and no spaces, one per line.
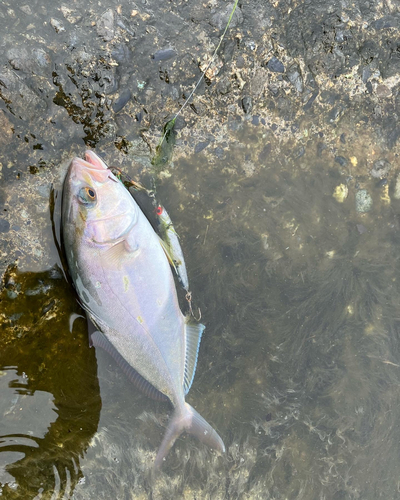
{"x":171,"y":123}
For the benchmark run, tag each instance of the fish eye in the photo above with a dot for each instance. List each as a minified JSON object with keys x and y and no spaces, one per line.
{"x":91,"y":193}
{"x":87,"y":196}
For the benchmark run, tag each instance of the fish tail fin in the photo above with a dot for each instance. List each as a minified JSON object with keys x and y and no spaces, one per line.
{"x":187,"y":419}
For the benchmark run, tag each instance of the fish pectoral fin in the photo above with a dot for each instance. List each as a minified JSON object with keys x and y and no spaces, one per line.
{"x":193,"y":332}
{"x":168,"y":254}
{"x":114,"y":254}
{"x":117,"y":252}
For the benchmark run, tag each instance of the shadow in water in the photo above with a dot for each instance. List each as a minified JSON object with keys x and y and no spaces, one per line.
{"x":50,"y":404}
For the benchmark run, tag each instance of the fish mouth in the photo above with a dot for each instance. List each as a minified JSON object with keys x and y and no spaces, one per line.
{"x":93,"y":165}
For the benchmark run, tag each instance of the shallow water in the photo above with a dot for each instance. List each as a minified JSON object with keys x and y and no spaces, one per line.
{"x":299,"y":366}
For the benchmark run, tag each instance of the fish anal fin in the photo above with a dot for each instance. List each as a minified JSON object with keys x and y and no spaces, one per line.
{"x":99,"y":340}
{"x":193,"y":333}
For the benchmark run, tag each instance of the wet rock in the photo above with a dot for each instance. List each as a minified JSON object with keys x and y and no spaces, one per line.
{"x":22,"y":101}
{"x":70,"y":15}
{"x":369,"y":51}
{"x":220,"y":18}
{"x":122,"y":54}
{"x":363,"y":201}
{"x":274,"y":89}
{"x":275,"y":65}
{"x":295,"y":78}
{"x":224,"y":86}
{"x":105,"y":26}
{"x":124,"y":24}
{"x":240,"y":62}
{"x":57,"y":25}
{"x":386,"y":22}
{"x":122,"y":100}
{"x":341,"y":160}
{"x":164,"y":55}
{"x":257,"y":83}
{"x":180,"y":123}
{"x":227,"y":50}
{"x":40,"y":58}
{"x":200,"y":146}
{"x":380,"y":169}
{"x":20,"y":58}
{"x":336,"y":112}
{"x":4,"y":226}
{"x":311,"y":100}
{"x":366,"y":74}
{"x":26,"y":9}
{"x":211,"y":70}
{"x":383,"y":91}
{"x":6,"y":127}
{"x":247,"y":104}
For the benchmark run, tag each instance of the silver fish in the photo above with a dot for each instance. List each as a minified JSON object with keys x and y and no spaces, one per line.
{"x":124,"y":282}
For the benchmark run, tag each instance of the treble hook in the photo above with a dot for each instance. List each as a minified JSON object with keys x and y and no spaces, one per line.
{"x":189,"y":300}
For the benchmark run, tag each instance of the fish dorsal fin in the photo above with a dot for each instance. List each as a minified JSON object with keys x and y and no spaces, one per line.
{"x":193,"y":337}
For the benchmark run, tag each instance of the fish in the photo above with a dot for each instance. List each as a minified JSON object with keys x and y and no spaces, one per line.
{"x":124,"y":282}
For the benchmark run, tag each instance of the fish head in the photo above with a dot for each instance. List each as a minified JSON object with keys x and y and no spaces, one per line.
{"x":97,"y":208}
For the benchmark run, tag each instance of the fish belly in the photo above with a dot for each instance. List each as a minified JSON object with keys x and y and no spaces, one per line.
{"x":138,"y":312}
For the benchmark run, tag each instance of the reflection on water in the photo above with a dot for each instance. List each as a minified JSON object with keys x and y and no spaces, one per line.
{"x":21,"y":410}
{"x":50,"y":402}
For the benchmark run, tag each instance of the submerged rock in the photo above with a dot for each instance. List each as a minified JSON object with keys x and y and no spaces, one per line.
{"x":380,"y":169}
{"x":340,"y":193}
{"x":396,"y":193}
{"x":363,"y":201}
